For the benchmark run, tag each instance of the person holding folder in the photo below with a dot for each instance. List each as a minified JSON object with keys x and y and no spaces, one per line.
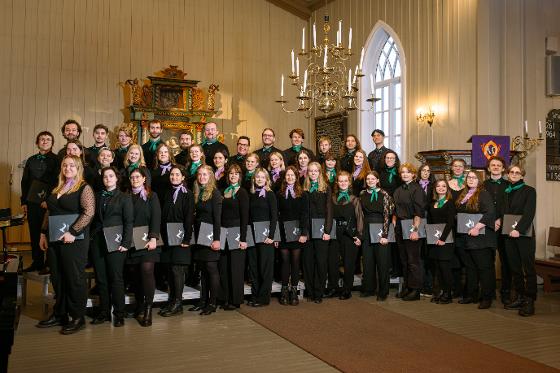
{"x":316,"y":254}
{"x":263,"y":208}
{"x":293,"y":214}
{"x":349,"y":229}
{"x":163,"y":163}
{"x":477,"y":248}
{"x":208,"y":210}
{"x":235,"y":214}
{"x":109,"y":246}
{"x":377,"y":206}
{"x":442,"y":211}
{"x":520,"y":207}
{"x":72,"y":196}
{"x":147,"y":214}
{"x":176,"y":226}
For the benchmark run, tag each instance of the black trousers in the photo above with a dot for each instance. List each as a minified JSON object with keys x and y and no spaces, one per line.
{"x":109,"y":268}
{"x":409,"y":252}
{"x":35,"y":215}
{"x":348,"y":251}
{"x":479,"y":265}
{"x":315,"y":267}
{"x":377,"y":266}
{"x":333,"y":264}
{"x":506,"y":275}
{"x":209,"y":282}
{"x":67,"y":263}
{"x":261,"y":271}
{"x":521,"y":256}
{"x":444,"y":275}
{"x":232,"y":272}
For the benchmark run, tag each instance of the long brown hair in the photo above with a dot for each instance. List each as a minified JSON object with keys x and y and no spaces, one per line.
{"x":365,"y":165}
{"x":344,"y":149}
{"x":336,"y":189}
{"x":210,"y":186}
{"x":297,"y":186}
{"x":171,"y":156}
{"x":472,"y":203}
{"x":435,"y":196}
{"x":79,"y":177}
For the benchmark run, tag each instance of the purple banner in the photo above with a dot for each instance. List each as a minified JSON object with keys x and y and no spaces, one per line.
{"x":485,"y":147}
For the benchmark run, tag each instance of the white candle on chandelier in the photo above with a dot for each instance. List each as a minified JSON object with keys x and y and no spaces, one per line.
{"x":305,"y":80}
{"x":297,"y":66}
{"x":337,"y":38}
{"x":293,"y":62}
{"x":282,"y":86}
{"x":325,"y":58}
{"x":350,"y":39}
{"x":371,"y":84}
{"x":540,"y":129}
{"x":339,"y":32}
{"x":362,"y":58}
{"x":349,"y":80}
{"x":314,"y":36}
{"x":355,"y":72}
{"x":525,"y":129}
{"x":303,"y":39}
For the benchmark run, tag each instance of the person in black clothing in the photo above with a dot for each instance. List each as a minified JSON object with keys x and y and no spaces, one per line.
{"x":377,"y":206}
{"x":325,"y":145}
{"x":197,"y":159}
{"x":251,"y":164}
{"x":211,"y":145}
{"x":293,"y":205}
{"x":185,"y":143}
{"x":290,"y":154}
{"x":409,"y":204}
{"x":456,"y":184}
{"x":351,"y":145}
{"x":147,"y":212}
{"x":243,"y":144}
{"x":375,"y":157}
{"x":71,"y":130}
{"x":477,"y":250}
{"x":426,"y":180}
{"x":124,"y":137}
{"x":496,"y":186}
{"x":349,"y":228}
{"x":235,"y":213}
{"x":457,"y":180}
{"x":208,"y":210}
{"x":316,"y":253}
{"x":100,"y":132}
{"x":134,"y":159}
{"x":303,"y":159}
{"x":359,"y":168}
{"x":164,"y":161}
{"x":276,"y":168}
{"x":268,"y":138}
{"x":42,"y":170}
{"x":263,"y":206}
{"x":105,"y":157}
{"x":221,"y":163}
{"x":330,"y":168}
{"x":149,"y":147}
{"x":113,"y":208}
{"x":177,"y":207}
{"x":75,"y":148}
{"x":521,"y":199}
{"x":68,"y":255}
{"x":441,"y":210}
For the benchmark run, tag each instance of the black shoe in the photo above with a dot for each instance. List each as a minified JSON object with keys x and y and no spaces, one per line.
{"x":197,"y":307}
{"x":208,"y":310}
{"x":257,"y":304}
{"x":118,"y":322}
{"x":100,"y":319}
{"x":517,"y":304}
{"x":528,"y":308}
{"x":381,"y":298}
{"x":505,"y":298}
{"x":31,"y":268}
{"x":74,"y":326}
{"x":403,"y":293}
{"x":53,"y":320}
{"x":146,"y":319}
{"x":294,"y":297}
{"x":346,"y":294}
{"x":436,"y":297}
{"x":466,"y":300}
{"x":412,"y":295}
{"x":44,"y":271}
{"x":284,"y":296}
{"x":331,"y":293}
{"x":366,"y":294}
{"x":445,"y":298}
{"x":176,"y":309}
{"x":166,"y":307}
{"x":229,"y":307}
{"x":318,"y":300}
{"x":250,"y":302}
{"x":485,"y":304}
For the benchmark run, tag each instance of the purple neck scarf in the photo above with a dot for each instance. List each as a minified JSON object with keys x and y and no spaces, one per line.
{"x":468,"y":195}
{"x":218,"y":173}
{"x":141,"y":191}
{"x":68,"y":185}
{"x":357,"y":172}
{"x":275,"y":174}
{"x":261,"y":191}
{"x":165,"y":168}
{"x":178,"y":188}
{"x":424,"y":184}
{"x":290,"y":191}
{"x":303,"y":172}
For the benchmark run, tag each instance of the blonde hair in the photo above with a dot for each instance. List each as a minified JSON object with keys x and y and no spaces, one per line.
{"x":127,"y":128}
{"x":171,"y":156}
{"x":267,"y":176}
{"x":209,"y":188}
{"x":279,"y":155}
{"x":79,"y":177}
{"x":322,"y":182}
{"x":410,"y":167}
{"x":141,"y":162}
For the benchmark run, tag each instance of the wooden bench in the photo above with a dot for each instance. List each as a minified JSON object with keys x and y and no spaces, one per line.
{"x":549,"y":270}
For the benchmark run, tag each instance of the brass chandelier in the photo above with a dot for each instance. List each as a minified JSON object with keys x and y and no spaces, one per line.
{"x":327,"y":84}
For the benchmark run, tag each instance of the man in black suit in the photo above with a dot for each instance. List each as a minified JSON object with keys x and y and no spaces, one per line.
{"x":71,"y":130}
{"x":290,"y":155}
{"x":243,"y":144}
{"x":149,"y":147}
{"x":185,"y":142}
{"x":268,"y":139}
{"x":375,"y":156}
{"x":100,"y":133}
{"x":211,"y":145}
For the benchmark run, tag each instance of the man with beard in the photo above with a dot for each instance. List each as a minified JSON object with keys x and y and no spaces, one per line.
{"x":268,"y":138}
{"x":185,"y":142}
{"x":149,"y":147}
{"x":211,"y":145}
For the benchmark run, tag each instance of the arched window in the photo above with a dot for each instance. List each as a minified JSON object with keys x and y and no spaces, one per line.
{"x":384,"y":62}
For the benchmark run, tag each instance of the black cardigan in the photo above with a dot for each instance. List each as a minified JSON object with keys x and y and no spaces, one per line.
{"x":182,"y":211}
{"x":295,"y":209}
{"x":118,"y":211}
{"x":445,"y":214}
{"x":409,"y":201}
{"x":235,"y":212}
{"x":210,"y":212}
{"x":321,"y":207}
{"x":522,"y":202}
{"x":486,"y":208}
{"x":264,"y":209}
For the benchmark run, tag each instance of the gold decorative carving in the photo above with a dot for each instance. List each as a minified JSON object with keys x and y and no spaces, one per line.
{"x":197,"y":99}
{"x":211,"y":96}
{"x":136,"y":92}
{"x":173,"y":72}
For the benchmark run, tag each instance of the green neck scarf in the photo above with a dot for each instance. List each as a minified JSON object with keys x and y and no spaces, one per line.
{"x":233,"y":189}
{"x":296,"y":148}
{"x":314,"y":186}
{"x":460,"y":180}
{"x":194,"y":167}
{"x":154,"y":144}
{"x":392,"y":173}
{"x":343,"y":194}
{"x":513,"y":187}
{"x":441,"y":202}
{"x":374,"y":193}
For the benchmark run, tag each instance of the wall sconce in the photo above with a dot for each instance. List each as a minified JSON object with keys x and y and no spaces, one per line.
{"x":423,"y":115}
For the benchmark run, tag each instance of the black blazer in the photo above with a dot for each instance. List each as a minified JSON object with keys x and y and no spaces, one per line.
{"x":118,"y":211}
{"x":180,"y":211}
{"x":522,"y":202}
{"x":486,"y":208}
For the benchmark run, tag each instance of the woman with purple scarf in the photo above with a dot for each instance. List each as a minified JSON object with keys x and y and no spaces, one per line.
{"x":162,"y":168}
{"x":276,"y":169}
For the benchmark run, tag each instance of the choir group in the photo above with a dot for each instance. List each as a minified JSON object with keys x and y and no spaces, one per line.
{"x":146,"y":218}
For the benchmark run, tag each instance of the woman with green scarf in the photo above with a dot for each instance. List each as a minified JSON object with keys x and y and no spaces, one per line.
{"x":389,"y":177}
{"x":197,"y":159}
{"x":134,"y":160}
{"x":457,"y":179}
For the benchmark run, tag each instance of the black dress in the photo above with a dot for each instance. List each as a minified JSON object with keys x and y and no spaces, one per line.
{"x":146,"y":213}
{"x":210,"y":212}
{"x":120,"y":156}
{"x":346,"y":162}
{"x":264,"y":155}
{"x":179,"y":211}
{"x":149,"y":150}
{"x":290,"y":156}
{"x":161,"y":183}
{"x":443,"y":255}
{"x":389,"y":179}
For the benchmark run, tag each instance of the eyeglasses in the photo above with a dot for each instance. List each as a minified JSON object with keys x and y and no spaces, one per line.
{"x":241,"y":144}
{"x":472,"y":177}
{"x":515,"y":173}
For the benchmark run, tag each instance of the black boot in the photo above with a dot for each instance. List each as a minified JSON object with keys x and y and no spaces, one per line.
{"x":436,"y":297}
{"x":208,"y":310}
{"x":166,"y":307}
{"x":505,"y":297}
{"x":445,"y":298}
{"x":294,"y":298}
{"x":284,"y":296}
{"x":412,"y":295}
{"x":516,"y":304}
{"x":176,"y":309}
{"x":147,"y":317}
{"x":528,"y":308}
{"x":53,"y":320}
{"x":485,"y":304}
{"x":74,"y":326}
